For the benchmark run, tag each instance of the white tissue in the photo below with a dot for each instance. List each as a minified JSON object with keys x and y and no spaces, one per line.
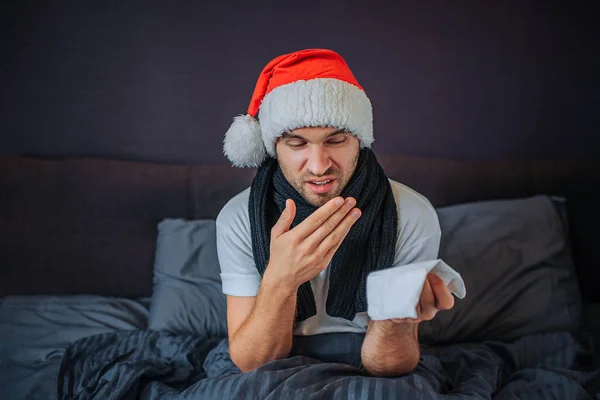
{"x":395,"y":292}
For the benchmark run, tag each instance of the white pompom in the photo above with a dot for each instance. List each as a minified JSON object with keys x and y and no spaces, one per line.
{"x":243,"y":144}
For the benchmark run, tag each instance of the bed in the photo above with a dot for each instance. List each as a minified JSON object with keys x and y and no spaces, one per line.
{"x":110,"y":286}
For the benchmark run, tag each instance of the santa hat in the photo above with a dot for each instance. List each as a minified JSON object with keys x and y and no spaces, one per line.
{"x":307,"y":88}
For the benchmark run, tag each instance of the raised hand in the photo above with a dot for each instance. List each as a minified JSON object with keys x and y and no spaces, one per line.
{"x":300,"y":254}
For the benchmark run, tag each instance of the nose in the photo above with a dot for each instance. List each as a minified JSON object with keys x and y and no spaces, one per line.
{"x":318,"y":161}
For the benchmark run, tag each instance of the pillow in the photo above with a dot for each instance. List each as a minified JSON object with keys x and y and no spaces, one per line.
{"x":35,"y":329}
{"x":187,"y":296}
{"x":52,"y":322}
{"x":515,"y":259}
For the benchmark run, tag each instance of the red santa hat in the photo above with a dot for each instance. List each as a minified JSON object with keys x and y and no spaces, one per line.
{"x":307,"y":88}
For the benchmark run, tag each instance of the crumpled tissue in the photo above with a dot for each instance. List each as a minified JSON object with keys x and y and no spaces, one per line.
{"x":395,"y":292}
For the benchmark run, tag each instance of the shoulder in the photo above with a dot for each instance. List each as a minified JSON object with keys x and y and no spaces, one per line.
{"x":235,"y":212}
{"x":239,"y":275}
{"x":417,"y":218}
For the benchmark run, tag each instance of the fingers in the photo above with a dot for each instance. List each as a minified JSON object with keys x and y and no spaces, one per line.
{"x":331,"y":224}
{"x":426,"y":309}
{"x":444,"y":299}
{"x":434,"y":297}
{"x":285,"y":219}
{"x":334,"y":239}
{"x":318,"y":218}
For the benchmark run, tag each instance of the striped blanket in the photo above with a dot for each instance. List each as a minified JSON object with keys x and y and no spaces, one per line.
{"x":158,"y":365}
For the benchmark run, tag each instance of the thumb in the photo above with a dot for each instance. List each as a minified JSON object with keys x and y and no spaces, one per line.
{"x":285,"y":220}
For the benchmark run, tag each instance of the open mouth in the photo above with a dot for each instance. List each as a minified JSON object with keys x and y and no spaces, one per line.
{"x":321,"y":186}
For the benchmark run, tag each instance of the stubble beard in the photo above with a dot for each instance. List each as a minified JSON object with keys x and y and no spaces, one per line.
{"x":319,"y":199}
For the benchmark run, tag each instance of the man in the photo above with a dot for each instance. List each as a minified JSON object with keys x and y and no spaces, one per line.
{"x":295,"y":248}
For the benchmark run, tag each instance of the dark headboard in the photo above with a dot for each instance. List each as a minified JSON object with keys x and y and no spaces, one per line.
{"x":89,"y":225}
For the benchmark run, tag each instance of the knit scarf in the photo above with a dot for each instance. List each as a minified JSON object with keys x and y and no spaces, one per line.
{"x":369,"y":246}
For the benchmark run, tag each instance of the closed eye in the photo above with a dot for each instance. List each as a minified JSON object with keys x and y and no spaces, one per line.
{"x":296,"y":144}
{"x":340,"y":138}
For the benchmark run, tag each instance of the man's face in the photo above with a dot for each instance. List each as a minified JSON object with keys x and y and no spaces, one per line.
{"x":318,"y":162}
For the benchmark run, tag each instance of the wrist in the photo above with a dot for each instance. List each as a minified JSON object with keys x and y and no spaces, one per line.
{"x":275,"y":285}
{"x":390,"y":327}
{"x":390,"y":348}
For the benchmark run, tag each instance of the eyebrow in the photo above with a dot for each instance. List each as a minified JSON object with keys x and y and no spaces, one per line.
{"x":288,"y":135}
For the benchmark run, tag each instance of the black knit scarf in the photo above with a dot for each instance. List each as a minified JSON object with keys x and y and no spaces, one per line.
{"x":369,"y":246}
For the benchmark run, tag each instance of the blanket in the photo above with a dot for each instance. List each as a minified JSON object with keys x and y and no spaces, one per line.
{"x":159,"y":365}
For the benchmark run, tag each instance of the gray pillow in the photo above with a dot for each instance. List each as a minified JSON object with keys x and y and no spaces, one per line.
{"x":35,"y":329}
{"x":187,"y":296}
{"x":515,"y":259}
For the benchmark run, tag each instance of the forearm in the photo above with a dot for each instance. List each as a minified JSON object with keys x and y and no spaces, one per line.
{"x":266,"y":334}
{"x":390,"y":349}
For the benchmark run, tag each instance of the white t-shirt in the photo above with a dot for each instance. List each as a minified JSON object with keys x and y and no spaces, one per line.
{"x":418,"y":240}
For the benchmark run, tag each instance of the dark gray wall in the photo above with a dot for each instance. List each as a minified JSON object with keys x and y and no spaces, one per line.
{"x":162,"y":80}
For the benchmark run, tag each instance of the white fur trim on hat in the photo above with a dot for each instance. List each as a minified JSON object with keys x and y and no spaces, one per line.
{"x":316,"y":102}
{"x":243,"y":144}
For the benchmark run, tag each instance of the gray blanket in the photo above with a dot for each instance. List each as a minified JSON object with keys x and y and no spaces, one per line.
{"x":158,"y":365}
